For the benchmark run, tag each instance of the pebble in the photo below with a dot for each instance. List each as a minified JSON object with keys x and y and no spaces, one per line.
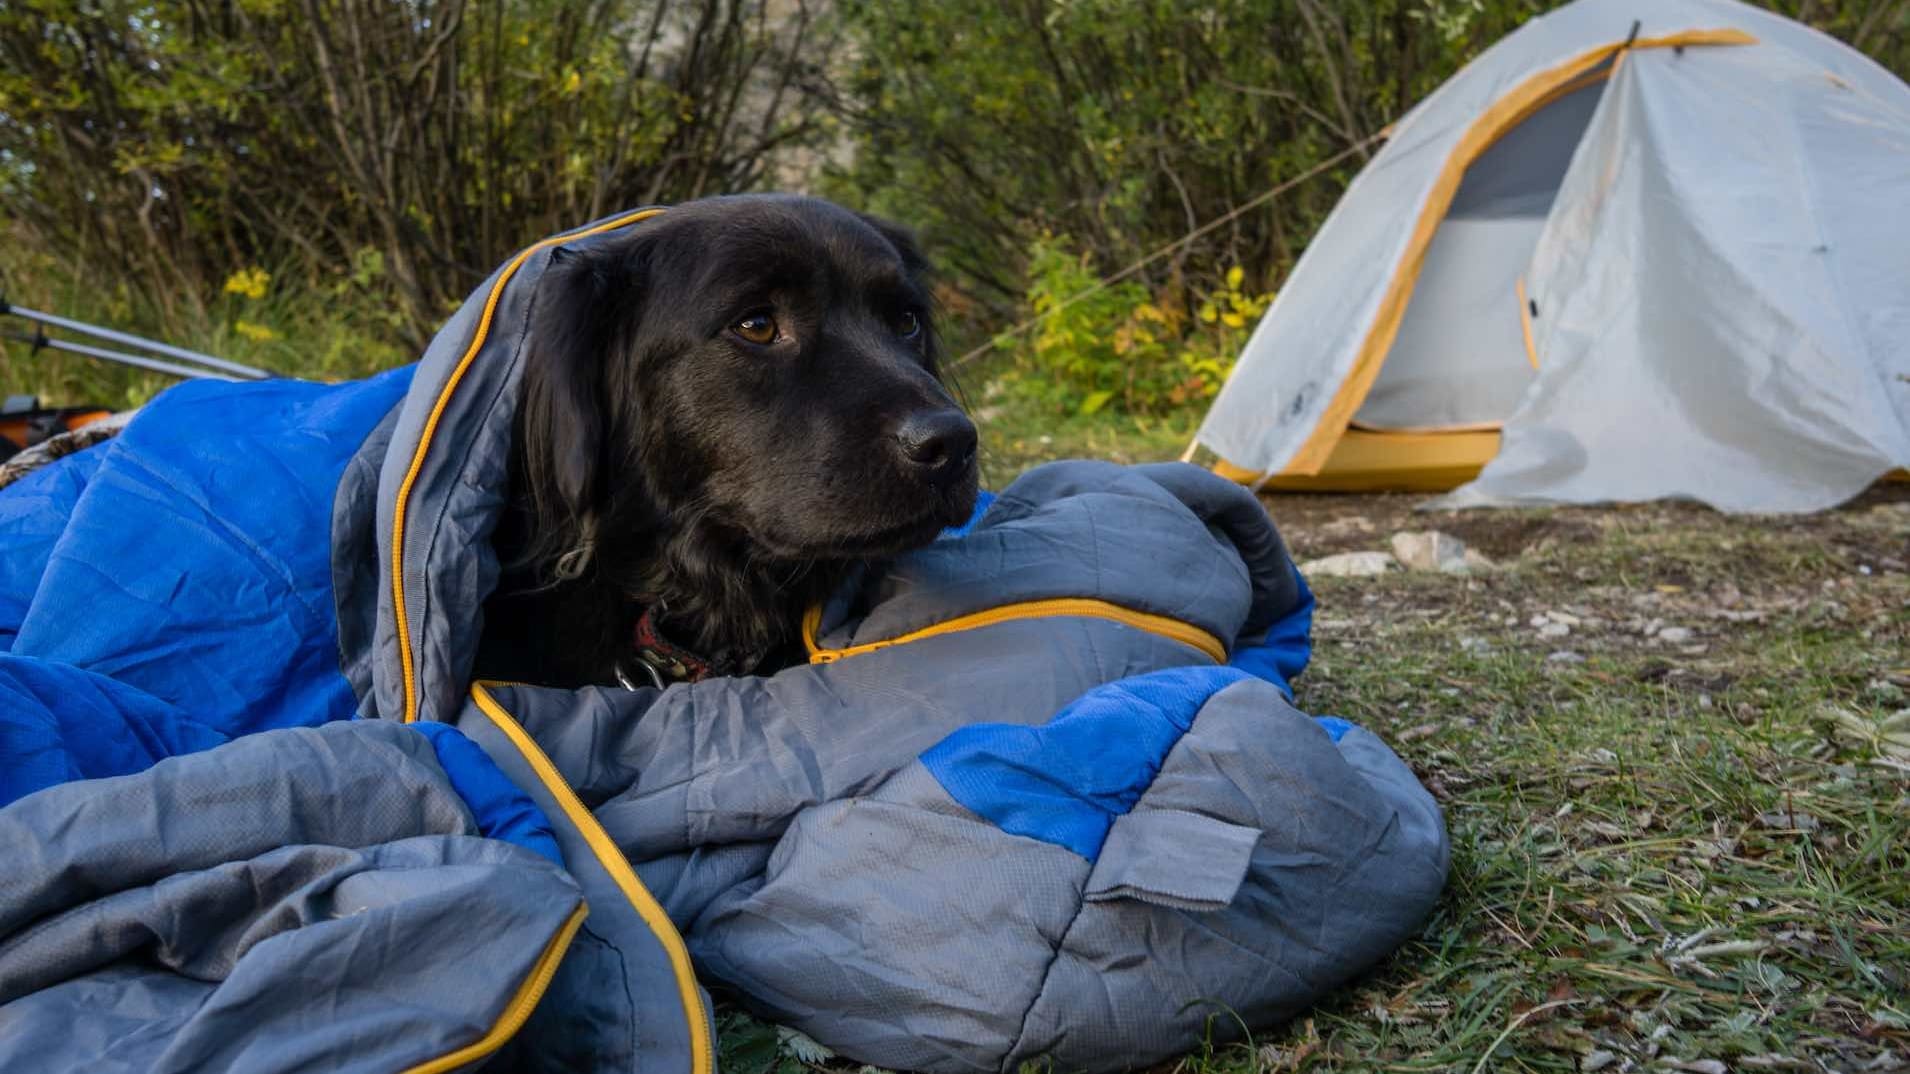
{"x":1430,"y":550}
{"x":1349,"y":565}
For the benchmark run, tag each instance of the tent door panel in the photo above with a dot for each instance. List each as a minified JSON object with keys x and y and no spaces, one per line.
{"x":1460,"y":358}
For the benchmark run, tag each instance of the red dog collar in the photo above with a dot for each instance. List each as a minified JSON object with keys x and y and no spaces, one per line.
{"x":664,"y":661}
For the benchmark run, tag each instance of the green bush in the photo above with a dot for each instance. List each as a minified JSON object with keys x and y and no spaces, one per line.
{"x":377,"y":159}
{"x":338,"y":325}
{"x":164,"y":144}
{"x":1122,"y":347}
{"x":1126,"y":124}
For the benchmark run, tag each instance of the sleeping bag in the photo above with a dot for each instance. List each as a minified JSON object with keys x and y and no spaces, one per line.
{"x":1039,"y":792}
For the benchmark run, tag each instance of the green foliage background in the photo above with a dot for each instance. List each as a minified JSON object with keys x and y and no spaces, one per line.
{"x":375,"y":160}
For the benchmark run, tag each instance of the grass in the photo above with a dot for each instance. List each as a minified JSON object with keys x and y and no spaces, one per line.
{"x":1668,"y":855}
{"x":1017,"y":432}
{"x":333,"y":329}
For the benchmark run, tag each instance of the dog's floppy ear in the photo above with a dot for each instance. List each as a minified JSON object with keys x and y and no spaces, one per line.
{"x":585,"y":309}
{"x":904,"y":242}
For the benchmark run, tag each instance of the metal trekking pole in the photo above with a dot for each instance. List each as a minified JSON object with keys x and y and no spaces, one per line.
{"x":225,"y":370}
{"x":40,"y":340}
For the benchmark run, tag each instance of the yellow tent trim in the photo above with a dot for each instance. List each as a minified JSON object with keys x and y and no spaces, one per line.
{"x":1525,"y":322}
{"x":1507,"y":112}
{"x":1367,"y":461}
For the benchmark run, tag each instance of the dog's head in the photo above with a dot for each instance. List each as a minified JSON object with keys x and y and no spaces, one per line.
{"x":760,"y":370}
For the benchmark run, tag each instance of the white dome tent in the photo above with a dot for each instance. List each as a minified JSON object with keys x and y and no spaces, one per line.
{"x":1638,"y":249}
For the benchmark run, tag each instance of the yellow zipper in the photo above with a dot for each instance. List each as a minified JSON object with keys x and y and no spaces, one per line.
{"x":1073,"y":607}
{"x":521,"y":1005}
{"x":702,"y":1050}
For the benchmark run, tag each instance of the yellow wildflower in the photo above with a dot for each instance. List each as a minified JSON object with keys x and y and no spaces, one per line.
{"x":257,"y":333}
{"x":248,"y":282}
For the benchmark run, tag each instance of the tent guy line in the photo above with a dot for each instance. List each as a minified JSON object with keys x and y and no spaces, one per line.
{"x":1108,"y":281}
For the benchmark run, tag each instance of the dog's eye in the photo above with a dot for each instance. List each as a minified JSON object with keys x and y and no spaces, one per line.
{"x":758,"y":328}
{"x":908,"y":326}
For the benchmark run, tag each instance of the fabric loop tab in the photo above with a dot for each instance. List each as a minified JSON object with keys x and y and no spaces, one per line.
{"x":1171,"y":858}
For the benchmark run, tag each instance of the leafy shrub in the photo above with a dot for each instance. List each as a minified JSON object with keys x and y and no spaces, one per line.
{"x":1127,"y":123}
{"x":156,"y":143}
{"x":1122,"y":347}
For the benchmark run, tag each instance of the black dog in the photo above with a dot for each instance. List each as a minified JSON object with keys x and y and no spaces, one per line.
{"x":724,"y":410}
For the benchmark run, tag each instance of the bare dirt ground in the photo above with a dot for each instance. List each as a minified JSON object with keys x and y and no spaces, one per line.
{"x":1321,"y":524}
{"x":1665,"y":580}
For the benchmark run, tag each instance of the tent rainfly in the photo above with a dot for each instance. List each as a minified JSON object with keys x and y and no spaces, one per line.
{"x":1638,"y":249}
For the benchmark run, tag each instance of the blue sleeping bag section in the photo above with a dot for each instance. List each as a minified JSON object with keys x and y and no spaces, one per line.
{"x":220,"y":859}
{"x":163,"y":593}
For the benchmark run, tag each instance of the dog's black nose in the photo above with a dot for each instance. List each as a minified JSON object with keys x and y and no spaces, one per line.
{"x":940,"y":444}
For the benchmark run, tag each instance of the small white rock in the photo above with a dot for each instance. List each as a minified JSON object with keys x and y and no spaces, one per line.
{"x":1565,"y":656}
{"x":1349,"y":565}
{"x":1430,"y":550}
{"x":1554,"y":630}
{"x":1675,"y":635}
